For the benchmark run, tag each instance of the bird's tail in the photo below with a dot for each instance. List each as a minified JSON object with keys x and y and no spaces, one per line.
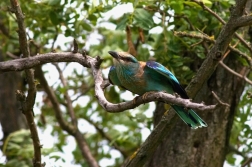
{"x":189,"y":117}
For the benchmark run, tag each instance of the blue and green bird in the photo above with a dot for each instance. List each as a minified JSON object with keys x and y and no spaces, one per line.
{"x":141,"y":77}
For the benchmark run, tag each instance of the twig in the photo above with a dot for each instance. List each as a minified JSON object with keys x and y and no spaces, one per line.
{"x":11,"y":55}
{"x":236,"y":151}
{"x":71,"y":129}
{"x":68,"y":99}
{"x":55,"y":37}
{"x":75,"y":46}
{"x":107,"y":137}
{"x":131,"y":46}
{"x":219,"y":101}
{"x":207,"y":38}
{"x":240,"y":21}
{"x":235,"y":73}
{"x":247,"y":162}
{"x":51,"y":95}
{"x":83,"y":93}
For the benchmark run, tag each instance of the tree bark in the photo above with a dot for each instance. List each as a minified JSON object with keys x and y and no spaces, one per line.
{"x":185,"y":147}
{"x":11,"y":117}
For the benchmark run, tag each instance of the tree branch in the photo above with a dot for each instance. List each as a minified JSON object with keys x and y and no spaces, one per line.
{"x":131,"y":49}
{"x":72,"y":129}
{"x":20,"y":64}
{"x":56,"y":106}
{"x":247,"y":162}
{"x":26,"y":63}
{"x":207,"y":38}
{"x":107,"y":137}
{"x":208,"y":67}
{"x":27,"y":102}
{"x":240,"y":9}
{"x":67,"y":97}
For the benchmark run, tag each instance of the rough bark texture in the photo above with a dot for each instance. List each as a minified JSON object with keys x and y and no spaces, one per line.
{"x":185,"y":147}
{"x":11,"y":118}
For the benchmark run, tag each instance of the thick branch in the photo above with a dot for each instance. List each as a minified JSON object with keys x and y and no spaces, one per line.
{"x":208,"y":67}
{"x":26,"y":63}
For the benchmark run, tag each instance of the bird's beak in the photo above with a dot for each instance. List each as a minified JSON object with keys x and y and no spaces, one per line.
{"x":114,"y":54}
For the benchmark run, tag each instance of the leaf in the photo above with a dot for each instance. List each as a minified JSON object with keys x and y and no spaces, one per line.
{"x":68,"y":32}
{"x":54,"y":18}
{"x":53,"y":2}
{"x":123,"y":22}
{"x":143,"y":19}
{"x":86,"y":26}
{"x":56,"y":157}
{"x":207,"y":2}
{"x":178,"y":6}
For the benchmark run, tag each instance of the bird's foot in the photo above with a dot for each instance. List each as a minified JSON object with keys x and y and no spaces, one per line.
{"x":134,"y":100}
{"x":144,"y":96}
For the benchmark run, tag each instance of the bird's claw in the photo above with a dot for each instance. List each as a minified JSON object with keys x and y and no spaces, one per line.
{"x":144,"y":96}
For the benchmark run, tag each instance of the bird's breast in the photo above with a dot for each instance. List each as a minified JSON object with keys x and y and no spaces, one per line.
{"x":133,"y":80}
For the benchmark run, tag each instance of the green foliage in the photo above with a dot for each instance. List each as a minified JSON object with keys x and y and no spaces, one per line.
{"x":241,"y":131}
{"x":46,"y":20}
{"x":18,"y":149}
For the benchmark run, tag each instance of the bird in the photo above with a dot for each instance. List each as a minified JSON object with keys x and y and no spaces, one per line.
{"x":142,"y":77}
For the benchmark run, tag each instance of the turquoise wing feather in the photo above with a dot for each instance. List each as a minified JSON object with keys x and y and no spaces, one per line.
{"x":188,"y":116}
{"x":171,"y":78}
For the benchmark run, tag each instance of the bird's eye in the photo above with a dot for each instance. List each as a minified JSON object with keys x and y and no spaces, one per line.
{"x":128,"y":59}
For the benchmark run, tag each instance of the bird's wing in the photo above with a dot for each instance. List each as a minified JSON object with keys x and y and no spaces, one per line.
{"x":171,"y":78}
{"x":113,"y":79}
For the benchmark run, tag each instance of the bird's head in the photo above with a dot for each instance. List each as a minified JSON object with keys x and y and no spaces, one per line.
{"x":123,"y":58}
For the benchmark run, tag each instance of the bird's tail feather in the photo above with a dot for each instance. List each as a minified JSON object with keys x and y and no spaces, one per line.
{"x":189,"y":117}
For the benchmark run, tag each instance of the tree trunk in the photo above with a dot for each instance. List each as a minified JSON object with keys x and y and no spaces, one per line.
{"x":207,"y":147}
{"x":11,"y":118}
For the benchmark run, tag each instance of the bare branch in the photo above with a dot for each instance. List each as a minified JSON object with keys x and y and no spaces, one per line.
{"x":156,"y":96}
{"x":70,"y":128}
{"x":247,"y":162}
{"x":107,"y":137}
{"x":232,"y":149}
{"x":20,"y":64}
{"x":28,"y":102}
{"x":235,"y":73}
{"x":68,"y":99}
{"x":26,"y":63}
{"x":15,"y":8}
{"x":56,"y":106}
{"x":219,"y":100}
{"x":75,"y":46}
